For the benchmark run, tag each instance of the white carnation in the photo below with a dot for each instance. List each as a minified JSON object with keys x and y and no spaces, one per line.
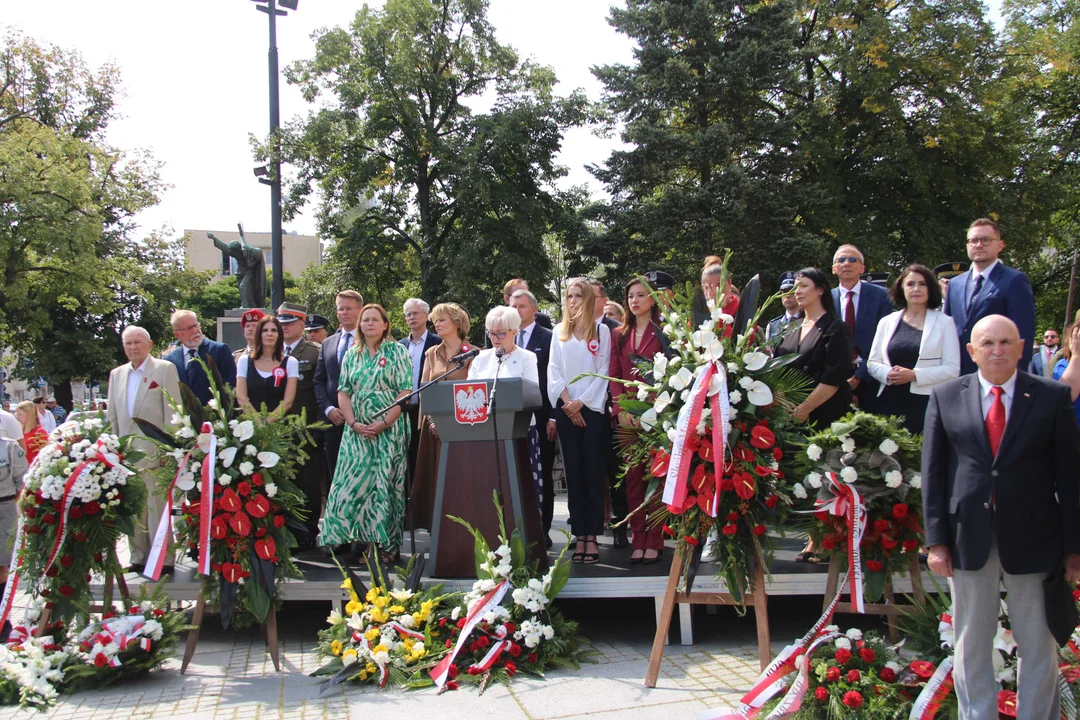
{"x":888,"y":446}
{"x":847,"y":443}
{"x":799,"y":491}
{"x":849,"y":475}
{"x":271,"y":489}
{"x":894,"y":479}
{"x":813,"y":452}
{"x":842,"y":643}
{"x":246,"y":468}
{"x":814,"y":480}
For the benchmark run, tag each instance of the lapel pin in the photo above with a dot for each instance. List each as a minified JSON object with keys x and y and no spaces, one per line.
{"x":1027,"y":394}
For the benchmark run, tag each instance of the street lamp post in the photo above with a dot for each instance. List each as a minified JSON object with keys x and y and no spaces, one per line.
{"x":277,"y":283}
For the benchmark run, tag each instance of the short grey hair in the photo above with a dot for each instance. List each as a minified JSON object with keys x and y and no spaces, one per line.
{"x":526,"y":294}
{"x":136,"y":330}
{"x":502,"y":319}
{"x":176,"y":316}
{"x":712,"y":270}
{"x":416,"y":302}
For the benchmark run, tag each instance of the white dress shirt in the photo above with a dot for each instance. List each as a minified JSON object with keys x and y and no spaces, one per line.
{"x":1009,"y":386}
{"x":975,"y":275}
{"x":416,"y":352}
{"x":570,"y":358}
{"x":524,"y":335}
{"x":47,"y":421}
{"x":135,"y":376}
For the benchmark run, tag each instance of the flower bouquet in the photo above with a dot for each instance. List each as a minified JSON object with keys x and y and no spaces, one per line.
{"x":233,"y":476}
{"x":506,"y":624}
{"x":716,"y":413}
{"x":386,"y":635}
{"x":77,"y":499}
{"x":106,"y":649}
{"x":864,"y":474}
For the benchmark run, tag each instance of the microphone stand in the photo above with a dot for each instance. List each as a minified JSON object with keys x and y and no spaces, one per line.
{"x":500,"y":356}
{"x":402,"y":402}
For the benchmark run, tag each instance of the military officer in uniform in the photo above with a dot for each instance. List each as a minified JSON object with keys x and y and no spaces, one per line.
{"x":776,"y":328}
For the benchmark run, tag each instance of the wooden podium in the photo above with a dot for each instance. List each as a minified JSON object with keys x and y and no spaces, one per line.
{"x":468,"y":472}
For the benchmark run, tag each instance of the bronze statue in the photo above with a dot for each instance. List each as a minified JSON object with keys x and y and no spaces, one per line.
{"x":250,"y":269}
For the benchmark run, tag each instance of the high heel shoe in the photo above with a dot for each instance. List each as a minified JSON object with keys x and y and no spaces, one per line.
{"x":637,"y":560}
{"x":650,"y":561}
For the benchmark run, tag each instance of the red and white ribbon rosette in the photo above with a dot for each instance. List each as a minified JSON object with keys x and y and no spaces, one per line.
{"x":676,"y":486}
{"x":848,"y":504}
{"x":441,"y":672}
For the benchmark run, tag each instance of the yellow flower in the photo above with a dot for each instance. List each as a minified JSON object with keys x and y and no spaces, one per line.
{"x":347,"y":585}
{"x":370,"y":667}
{"x":371,"y":634}
{"x":419,"y":652}
{"x":363,"y":675}
{"x":397,"y":609}
{"x":380,"y":602}
{"x":353,"y":607}
{"x":379,"y":648}
{"x":349,"y":656}
{"x":417,"y":619}
{"x":354,"y":597}
{"x":379,"y":615}
{"x":335,"y":647}
{"x":408,"y":643}
{"x":372,"y":594}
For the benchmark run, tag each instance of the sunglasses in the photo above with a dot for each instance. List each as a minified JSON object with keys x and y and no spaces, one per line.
{"x":849,"y":259}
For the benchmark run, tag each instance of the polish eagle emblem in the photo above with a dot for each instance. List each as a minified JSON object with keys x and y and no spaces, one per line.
{"x":470,"y":403}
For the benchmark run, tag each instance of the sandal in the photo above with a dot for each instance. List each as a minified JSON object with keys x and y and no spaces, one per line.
{"x":578,"y":557}
{"x":806,"y":556}
{"x":590,"y":558}
{"x":389,"y":556}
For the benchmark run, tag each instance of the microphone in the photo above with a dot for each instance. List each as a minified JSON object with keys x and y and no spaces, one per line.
{"x":467,"y":355}
{"x":499,"y":353}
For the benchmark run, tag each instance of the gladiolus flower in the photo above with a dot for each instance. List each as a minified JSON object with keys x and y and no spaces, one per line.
{"x":771,"y":501}
{"x":730,"y":529}
{"x":691,"y":540}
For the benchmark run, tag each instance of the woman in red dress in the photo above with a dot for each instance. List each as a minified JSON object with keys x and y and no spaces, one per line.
{"x":637,"y":341}
{"x":34,"y":436}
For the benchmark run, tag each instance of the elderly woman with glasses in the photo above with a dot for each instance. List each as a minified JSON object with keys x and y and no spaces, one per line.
{"x":503,"y":324}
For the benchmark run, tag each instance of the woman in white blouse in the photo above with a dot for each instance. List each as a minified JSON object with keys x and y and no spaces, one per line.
{"x":266,"y":376}
{"x":580,"y":345}
{"x":914,"y":348}
{"x":503,"y":324}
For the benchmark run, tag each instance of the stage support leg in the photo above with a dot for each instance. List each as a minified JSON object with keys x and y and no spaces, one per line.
{"x":663,"y":623}
{"x":193,"y":634}
{"x":686,"y":624}
{"x":272,"y":636}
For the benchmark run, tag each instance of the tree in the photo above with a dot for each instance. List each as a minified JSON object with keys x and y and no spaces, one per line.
{"x":406,"y":167}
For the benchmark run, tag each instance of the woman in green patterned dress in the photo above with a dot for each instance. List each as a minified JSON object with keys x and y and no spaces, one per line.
{"x":367,"y":496}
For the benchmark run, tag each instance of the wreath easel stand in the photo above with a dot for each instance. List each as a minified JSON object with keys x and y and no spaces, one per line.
{"x":889,"y":608}
{"x":269,"y":628}
{"x":757,"y":598}
{"x":106,"y":596}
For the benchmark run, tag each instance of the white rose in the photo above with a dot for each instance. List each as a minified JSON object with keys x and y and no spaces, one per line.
{"x":246,"y":468}
{"x":894,"y":479}
{"x":888,"y":446}
{"x":849,"y":474}
{"x":847,"y":444}
{"x":814,"y":480}
{"x":813,"y":452}
{"x":799,"y":491}
{"x":755,"y":360}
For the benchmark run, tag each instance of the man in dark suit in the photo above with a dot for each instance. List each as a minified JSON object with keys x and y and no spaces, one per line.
{"x":860,"y":305}
{"x":185,"y":325}
{"x":511,"y":287}
{"x":537,"y":339}
{"x":1001,"y":499}
{"x":328,"y":369}
{"x":1042,"y":355}
{"x":417,"y":343}
{"x":989,"y":287}
{"x":311,"y":477}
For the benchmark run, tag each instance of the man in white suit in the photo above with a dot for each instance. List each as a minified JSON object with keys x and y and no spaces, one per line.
{"x":137,"y":389}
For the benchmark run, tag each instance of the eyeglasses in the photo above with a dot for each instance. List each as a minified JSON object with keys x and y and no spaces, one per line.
{"x":1050,"y":336}
{"x":189,"y":328}
{"x":849,"y":259}
{"x":497,"y":335}
{"x":984,"y":241}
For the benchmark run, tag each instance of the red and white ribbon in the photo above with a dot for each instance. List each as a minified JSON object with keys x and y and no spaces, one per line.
{"x":402,"y":630}
{"x":13,"y":579}
{"x":441,"y":672}
{"x":772,"y":678}
{"x":488,"y":660}
{"x":155,"y":561}
{"x":678,"y":474}
{"x":848,"y":504}
{"x":720,"y":404}
{"x":792,"y":700}
{"x":206,"y":501}
{"x":1068,"y":701}
{"x":936,"y":689}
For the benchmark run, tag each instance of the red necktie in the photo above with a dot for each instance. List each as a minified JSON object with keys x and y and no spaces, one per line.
{"x":995,"y":420}
{"x":849,"y":320}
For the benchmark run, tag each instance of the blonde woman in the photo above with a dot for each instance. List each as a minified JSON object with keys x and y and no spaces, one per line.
{"x":581,"y":345}
{"x":34,"y":436}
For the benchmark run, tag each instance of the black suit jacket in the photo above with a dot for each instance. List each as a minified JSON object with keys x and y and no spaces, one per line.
{"x":327,"y":371}
{"x":430,"y":341}
{"x":1035,"y":514}
{"x":193,"y":375}
{"x":540,"y":344}
{"x":543,"y":320}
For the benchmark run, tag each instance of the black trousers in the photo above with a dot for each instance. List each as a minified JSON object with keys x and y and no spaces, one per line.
{"x":585,"y":455}
{"x":547,"y":467}
{"x":412,"y":414}
{"x":616,"y":489}
{"x":331,"y":446}
{"x":312,"y":478}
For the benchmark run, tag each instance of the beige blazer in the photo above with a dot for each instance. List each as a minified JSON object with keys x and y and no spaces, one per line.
{"x":151,"y":403}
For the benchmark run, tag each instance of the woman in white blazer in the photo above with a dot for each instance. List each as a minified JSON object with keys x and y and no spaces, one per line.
{"x":914,"y":348}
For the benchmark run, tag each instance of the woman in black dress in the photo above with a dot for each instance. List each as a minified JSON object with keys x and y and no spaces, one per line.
{"x":823,"y":344}
{"x":914,"y":348}
{"x":265,"y":376}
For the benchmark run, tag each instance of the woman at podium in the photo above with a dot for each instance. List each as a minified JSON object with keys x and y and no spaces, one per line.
{"x":581,"y":345}
{"x":503,"y":324}
{"x":451,"y":324}
{"x":367,"y":495}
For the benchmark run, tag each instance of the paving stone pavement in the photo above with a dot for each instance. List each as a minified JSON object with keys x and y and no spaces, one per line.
{"x":232,"y":676}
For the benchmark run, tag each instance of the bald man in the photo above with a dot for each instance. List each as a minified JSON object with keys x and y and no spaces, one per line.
{"x":1000,"y":501}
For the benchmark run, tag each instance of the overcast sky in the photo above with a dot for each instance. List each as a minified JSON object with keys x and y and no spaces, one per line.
{"x":195,"y":84}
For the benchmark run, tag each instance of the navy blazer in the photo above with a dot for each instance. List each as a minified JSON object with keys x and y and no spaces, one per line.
{"x":1005,"y":291}
{"x":1035,"y":511}
{"x":328,"y":370}
{"x":874,"y":304}
{"x":193,"y":374}
{"x":540,"y":345}
{"x":430,"y":341}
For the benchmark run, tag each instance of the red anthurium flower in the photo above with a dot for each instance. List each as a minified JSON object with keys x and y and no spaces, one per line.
{"x":763,"y":471}
{"x":232,"y":572}
{"x":705,"y":451}
{"x":258,"y":506}
{"x":741,"y":452}
{"x":699,"y":479}
{"x":193,"y":508}
{"x":1007,"y":703}
{"x":660,"y":464}
{"x":219,"y":528}
{"x":230,"y":501}
{"x":265,"y":548}
{"x":745,"y":485}
{"x":241,"y":524}
{"x":762,"y":438}
{"x":676,"y":509}
{"x":924,"y":669}
{"x":689,"y":502}
{"x":704,"y":502}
